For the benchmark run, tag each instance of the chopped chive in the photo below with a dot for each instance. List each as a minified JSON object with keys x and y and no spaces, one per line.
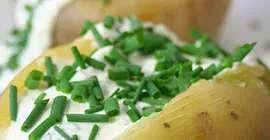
{"x":133,"y":107}
{"x":133,"y":43}
{"x":74,"y":137}
{"x":139,"y":91}
{"x":88,"y":82}
{"x":66,"y":73}
{"x":108,"y":22}
{"x":125,"y":84}
{"x":34,"y":79}
{"x":34,"y":115}
{"x":97,"y":91}
{"x":153,"y":90}
{"x":86,"y":26}
{"x":242,"y":51}
{"x":40,"y":98}
{"x":79,"y":94}
{"x":115,"y":92}
{"x":135,"y":23}
{"x":100,"y":40}
{"x":94,"y":109}
{"x":94,"y":132}
{"x":40,"y":130}
{"x":109,"y":60}
{"x":13,"y":100}
{"x":50,"y":69}
{"x":58,"y":108}
{"x":134,"y":69}
{"x":118,"y":73}
{"x":153,"y":101}
{"x":65,"y":86}
{"x":123,"y":93}
{"x":78,"y":57}
{"x":13,"y":62}
{"x":92,"y":99}
{"x":111,"y":107}
{"x":87,"y":118}
{"x":133,"y":115}
{"x":62,"y":133}
{"x":225,"y":63}
{"x":197,"y":71}
{"x":117,"y":56}
{"x":209,"y":72}
{"x":95,"y":63}
{"x":147,"y":111}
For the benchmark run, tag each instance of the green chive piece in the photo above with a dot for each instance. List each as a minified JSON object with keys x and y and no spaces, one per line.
{"x":118,"y":73}
{"x":108,"y":22}
{"x":111,"y":107}
{"x":94,"y":132}
{"x":87,"y":118}
{"x":133,"y":115}
{"x":34,"y":115}
{"x":40,"y":98}
{"x":65,"y":86}
{"x":66,"y":73}
{"x":134,"y":69}
{"x":139,"y":91}
{"x":97,"y":91}
{"x":123,"y":93}
{"x":135,"y":23}
{"x":79,"y":94}
{"x":62,"y":133}
{"x":86,"y":26}
{"x":38,"y":132}
{"x":74,"y":137}
{"x":50,"y":69}
{"x":225,"y":63}
{"x":147,"y":111}
{"x":153,"y":90}
{"x":185,"y":75}
{"x":78,"y":57}
{"x":117,"y":56}
{"x":209,"y":72}
{"x":89,"y":82}
{"x":125,"y":84}
{"x":92,"y":99}
{"x":109,"y":60}
{"x":100,"y":40}
{"x":95,"y":63}
{"x":34,"y":79}
{"x":115,"y":92}
{"x":197,"y":71}
{"x":58,"y":108}
{"x":153,"y":101}
{"x":13,"y":100}
{"x":94,"y":109}
{"x":133,"y":107}
{"x":242,"y":51}
{"x":133,"y":43}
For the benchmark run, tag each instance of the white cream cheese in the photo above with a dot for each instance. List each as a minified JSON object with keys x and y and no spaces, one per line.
{"x":40,"y":38}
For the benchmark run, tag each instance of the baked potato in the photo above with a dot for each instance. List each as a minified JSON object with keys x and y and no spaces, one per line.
{"x":233,"y":104}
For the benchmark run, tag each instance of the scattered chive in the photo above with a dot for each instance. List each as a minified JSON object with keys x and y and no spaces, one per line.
{"x":92,"y":99}
{"x":133,"y":43}
{"x":34,"y":79}
{"x":97,"y":91}
{"x":125,"y":84}
{"x":242,"y":51}
{"x":95,"y":63}
{"x":94,"y":132}
{"x":66,"y":73}
{"x":74,"y":137}
{"x":50,"y":68}
{"x":135,"y":23}
{"x":62,"y":133}
{"x":58,"y":108}
{"x":139,"y":90}
{"x":13,"y":97}
{"x":109,"y":60}
{"x":153,"y":101}
{"x":147,"y":111}
{"x":197,"y":71}
{"x":40,"y":130}
{"x":86,"y":26}
{"x":78,"y":57}
{"x":117,"y":56}
{"x":65,"y":86}
{"x":40,"y":98}
{"x":79,"y":94}
{"x":118,"y":73}
{"x":88,"y":82}
{"x":111,"y":107}
{"x":209,"y":72}
{"x":34,"y":115}
{"x":94,"y":109}
{"x":225,"y":63}
{"x":133,"y":115}
{"x":134,"y":69}
{"x":115,"y":92}
{"x":108,"y":22}
{"x":87,"y":118}
{"x":101,"y":41}
{"x":123,"y":93}
{"x":153,"y":90}
{"x":133,"y":107}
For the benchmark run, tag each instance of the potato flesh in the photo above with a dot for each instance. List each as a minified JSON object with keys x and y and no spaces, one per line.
{"x":208,"y":111}
{"x":179,"y":15}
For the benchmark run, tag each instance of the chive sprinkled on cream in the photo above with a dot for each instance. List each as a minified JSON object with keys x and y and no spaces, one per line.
{"x":13,"y":100}
{"x":40,"y":98}
{"x":41,"y":129}
{"x":58,"y":108}
{"x":62,"y":133}
{"x":111,"y":107}
{"x":87,"y":118}
{"x":94,"y":132}
{"x":34,"y":79}
{"x":78,"y":57}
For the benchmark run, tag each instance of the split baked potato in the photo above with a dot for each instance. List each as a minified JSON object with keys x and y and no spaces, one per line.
{"x":233,"y":106}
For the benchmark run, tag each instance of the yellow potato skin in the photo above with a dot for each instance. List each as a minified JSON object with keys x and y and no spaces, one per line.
{"x":63,"y":53}
{"x":208,"y":111}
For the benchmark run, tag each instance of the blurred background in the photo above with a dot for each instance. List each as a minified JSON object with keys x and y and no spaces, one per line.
{"x":247,"y":21}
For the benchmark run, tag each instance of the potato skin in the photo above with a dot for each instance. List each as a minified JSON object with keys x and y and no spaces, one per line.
{"x":208,"y":111}
{"x":179,"y":15}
